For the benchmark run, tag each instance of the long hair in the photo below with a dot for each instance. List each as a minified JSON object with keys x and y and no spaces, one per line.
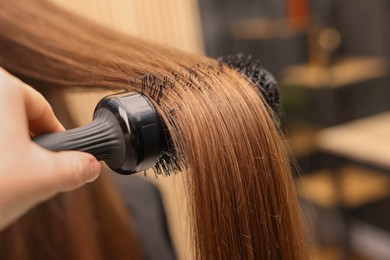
{"x":222,"y":134}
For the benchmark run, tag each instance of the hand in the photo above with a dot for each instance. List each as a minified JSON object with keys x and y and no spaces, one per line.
{"x":30,"y":174}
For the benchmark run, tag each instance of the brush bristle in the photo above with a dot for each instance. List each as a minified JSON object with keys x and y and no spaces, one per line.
{"x":260,"y":77}
{"x":154,"y":85}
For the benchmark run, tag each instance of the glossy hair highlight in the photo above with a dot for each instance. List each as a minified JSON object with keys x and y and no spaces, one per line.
{"x":225,"y":140}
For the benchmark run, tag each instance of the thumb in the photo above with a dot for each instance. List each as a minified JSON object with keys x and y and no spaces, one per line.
{"x":74,"y":169}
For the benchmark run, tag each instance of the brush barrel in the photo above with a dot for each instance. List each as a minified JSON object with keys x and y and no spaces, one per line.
{"x":126,"y":134}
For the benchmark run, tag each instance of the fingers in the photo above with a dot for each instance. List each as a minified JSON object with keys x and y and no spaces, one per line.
{"x":42,"y":175}
{"x":72,"y":169}
{"x":30,"y":174}
{"x":40,"y":116}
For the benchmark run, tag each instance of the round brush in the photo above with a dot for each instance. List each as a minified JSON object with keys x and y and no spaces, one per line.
{"x":126,"y":133}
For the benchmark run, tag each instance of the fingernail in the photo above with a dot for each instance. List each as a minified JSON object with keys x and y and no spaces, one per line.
{"x":94,"y":170}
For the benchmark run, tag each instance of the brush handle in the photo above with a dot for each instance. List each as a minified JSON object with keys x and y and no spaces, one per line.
{"x":103,"y":138}
{"x":126,"y":134}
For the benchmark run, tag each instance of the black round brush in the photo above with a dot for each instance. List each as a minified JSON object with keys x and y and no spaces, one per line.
{"x":126,"y":133}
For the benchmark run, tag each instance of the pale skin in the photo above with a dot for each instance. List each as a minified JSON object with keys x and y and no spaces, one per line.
{"x":30,"y":174}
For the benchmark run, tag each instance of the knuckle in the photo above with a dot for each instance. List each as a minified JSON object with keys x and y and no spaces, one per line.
{"x":9,"y":90}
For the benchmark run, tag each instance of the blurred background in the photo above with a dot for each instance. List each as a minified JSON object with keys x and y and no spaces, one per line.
{"x":331,"y":59}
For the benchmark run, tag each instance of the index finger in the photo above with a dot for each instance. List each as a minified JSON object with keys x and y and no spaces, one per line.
{"x":40,"y":115}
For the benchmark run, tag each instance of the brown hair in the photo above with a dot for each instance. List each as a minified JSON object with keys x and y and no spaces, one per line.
{"x":243,"y":202}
